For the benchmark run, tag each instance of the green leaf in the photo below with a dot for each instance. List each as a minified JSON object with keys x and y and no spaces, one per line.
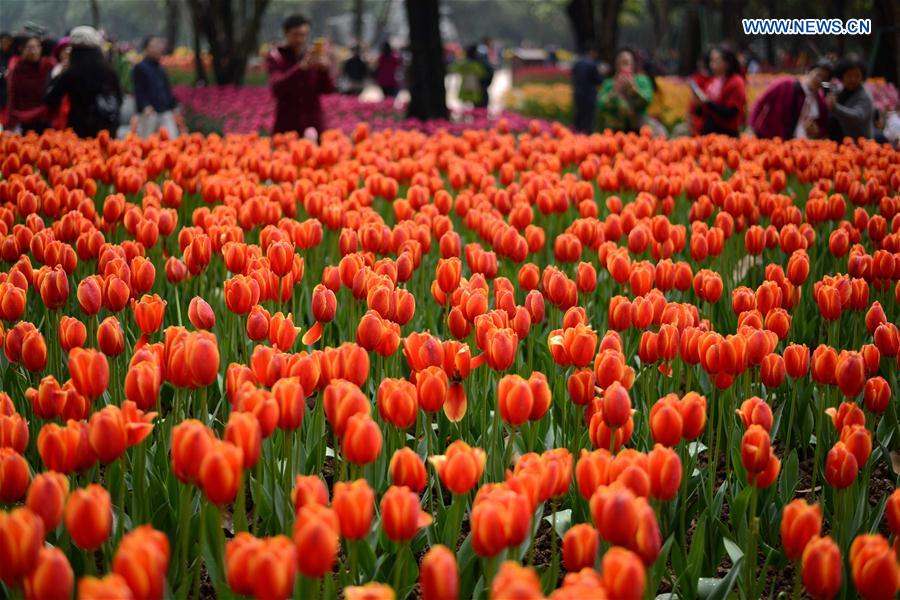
{"x":790,"y":477}
{"x":734,"y":551}
{"x":658,"y":569}
{"x":725,"y":585}
{"x":563,"y":521}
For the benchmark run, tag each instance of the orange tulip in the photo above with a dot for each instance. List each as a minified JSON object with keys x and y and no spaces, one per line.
{"x":343,"y":399}
{"x":110,"y":338}
{"x":13,"y":432}
{"x":401,"y":514}
{"x":66,"y":449}
{"x":264,"y":568}
{"x":52,"y":576}
{"x":291,"y":398}
{"x":90,"y":372}
{"x":449,"y":271}
{"x":370,"y":591}
{"x":892,"y":512}
{"x":148,"y":313}
{"x":362,"y":440}
{"x":693,"y":415}
{"x":623,"y":574}
{"x":316,"y":531}
{"x":108,"y":436}
{"x":201,"y":314}
{"x":72,"y":333}
{"x":514,"y":400}
{"x":14,"y":476}
{"x":579,"y":547}
{"x":500,"y":348}
{"x":800,"y":523}
{"x":34,"y":351}
{"x":432,"y":387}
{"x":243,"y":430}
{"x":354,"y":504}
{"x":850,"y":373}
{"x":755,"y":449}
{"x":191,"y":442}
{"x":841,"y":466}
{"x":877,"y":395}
{"x":220,"y":472}
{"x":47,"y":497}
{"x":106,"y":588}
{"x":407,"y":469}
{"x":515,"y":581}
{"x":616,"y":405}
{"x":88,"y":516}
{"x":308,"y":488}
{"x":666,"y":422}
{"x":822,"y":568}
{"x":755,"y":411}
{"x":142,"y":559}
{"x":397,"y":402}
{"x":439,"y":575}
{"x":874,"y":567}
{"x":664,"y":468}
{"x":142,"y":383}
{"x":615,"y":514}
{"x":21,"y":538}
{"x":591,"y":471}
{"x":461,"y":467}
{"x":858,"y":441}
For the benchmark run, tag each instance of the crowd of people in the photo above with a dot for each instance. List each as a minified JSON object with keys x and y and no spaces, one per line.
{"x":828,"y":101}
{"x":74,"y":82}
{"x":79,"y":81}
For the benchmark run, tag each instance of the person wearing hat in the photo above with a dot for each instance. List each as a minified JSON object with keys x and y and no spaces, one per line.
{"x":91,"y":85}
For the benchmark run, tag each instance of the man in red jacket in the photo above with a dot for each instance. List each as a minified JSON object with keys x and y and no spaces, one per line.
{"x":298,"y":77}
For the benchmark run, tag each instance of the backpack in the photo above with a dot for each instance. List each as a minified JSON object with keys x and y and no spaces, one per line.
{"x":105,"y":108}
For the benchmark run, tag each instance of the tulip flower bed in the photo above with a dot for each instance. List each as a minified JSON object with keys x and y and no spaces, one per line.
{"x":489,"y":365}
{"x":249,"y":109}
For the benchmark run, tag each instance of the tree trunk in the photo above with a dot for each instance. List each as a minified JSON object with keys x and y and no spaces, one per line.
{"x":608,"y":28}
{"x":691,"y":44}
{"x":770,"y":39}
{"x":887,"y":22}
{"x":358,"y":10}
{"x":732,"y":13}
{"x":428,"y":97}
{"x":173,"y":20}
{"x":95,"y":14}
{"x":381,"y":22}
{"x":659,"y":10}
{"x":581,"y":17}
{"x":232,"y":37}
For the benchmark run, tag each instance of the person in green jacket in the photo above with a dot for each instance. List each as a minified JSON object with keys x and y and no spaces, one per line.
{"x":472,"y":72}
{"x":624,"y":98}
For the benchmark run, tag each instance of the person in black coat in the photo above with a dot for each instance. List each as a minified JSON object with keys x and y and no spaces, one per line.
{"x":91,"y":84}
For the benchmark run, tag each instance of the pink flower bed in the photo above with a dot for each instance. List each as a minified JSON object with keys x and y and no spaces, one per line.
{"x":248,"y":109}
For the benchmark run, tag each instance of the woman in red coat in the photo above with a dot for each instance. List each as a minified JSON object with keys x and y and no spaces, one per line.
{"x":722,"y":103}
{"x":27,"y":82}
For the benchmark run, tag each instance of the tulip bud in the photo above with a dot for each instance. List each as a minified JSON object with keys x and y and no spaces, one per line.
{"x":354,"y":504}
{"x":221,"y":472}
{"x":822,"y":568}
{"x":52,"y":576}
{"x":407,"y":469}
{"x":439,"y":575}
{"x":579,"y":547}
{"x":841,"y":466}
{"x":401,"y":514}
{"x":800,"y":523}
{"x":88,"y":516}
